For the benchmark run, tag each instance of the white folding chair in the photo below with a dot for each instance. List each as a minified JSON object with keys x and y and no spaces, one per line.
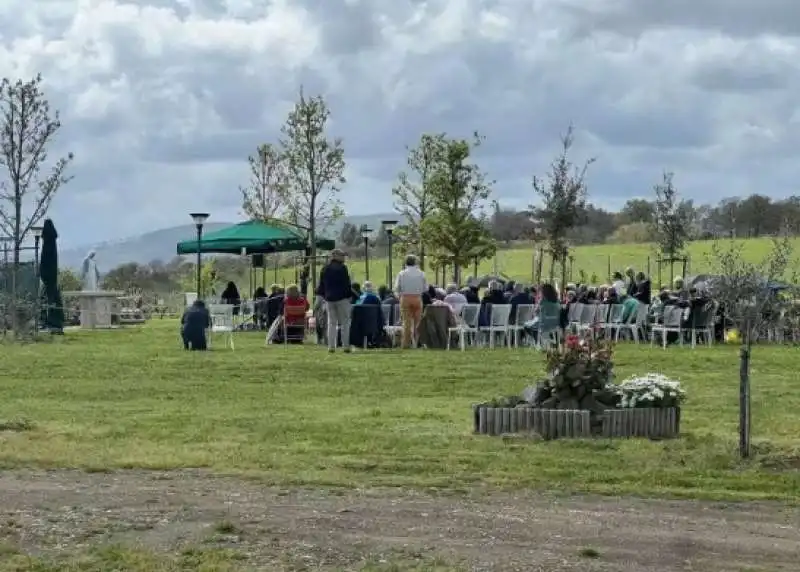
{"x":499,"y":316}
{"x":391,"y":320}
{"x":466,"y":325}
{"x":525,"y":314}
{"x":588,"y":317}
{"x":222,"y":322}
{"x":673,"y":315}
{"x":574,"y":314}
{"x":616,"y":313}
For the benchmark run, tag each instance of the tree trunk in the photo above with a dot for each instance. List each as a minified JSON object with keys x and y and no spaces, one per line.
{"x":312,"y":237}
{"x":421,"y":256}
{"x":744,"y":400}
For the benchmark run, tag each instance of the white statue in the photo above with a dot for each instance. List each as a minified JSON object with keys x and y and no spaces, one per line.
{"x":90,"y":274}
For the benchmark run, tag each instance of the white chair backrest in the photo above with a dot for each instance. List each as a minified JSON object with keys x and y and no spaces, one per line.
{"x":588,"y":313}
{"x":672,"y":316}
{"x":500,"y":315}
{"x":575,"y":311}
{"x":601,"y":313}
{"x":189,"y":298}
{"x":525,"y":313}
{"x":470,"y":314}
{"x":387,"y":314}
{"x":221,"y":315}
{"x":615,"y":313}
{"x":642,"y":312}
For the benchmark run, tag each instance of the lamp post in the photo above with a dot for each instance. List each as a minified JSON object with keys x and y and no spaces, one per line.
{"x":199,"y":220}
{"x":365,"y":232}
{"x":389,"y":226}
{"x":37,"y":236}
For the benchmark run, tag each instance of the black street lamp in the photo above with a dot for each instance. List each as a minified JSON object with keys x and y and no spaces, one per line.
{"x":365,"y":232}
{"x":199,"y":219}
{"x":389,"y":226}
{"x":37,"y":236}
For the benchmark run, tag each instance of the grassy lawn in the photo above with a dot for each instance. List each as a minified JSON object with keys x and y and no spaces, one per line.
{"x":594,"y":259}
{"x":298,"y":416}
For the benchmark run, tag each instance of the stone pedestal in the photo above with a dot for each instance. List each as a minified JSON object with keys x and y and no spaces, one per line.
{"x":96,"y":308}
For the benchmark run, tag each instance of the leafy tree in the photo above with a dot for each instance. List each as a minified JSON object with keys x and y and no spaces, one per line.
{"x":673,"y":218}
{"x":27,"y":129}
{"x":412,"y":194}
{"x":633,"y":233}
{"x":68,"y":281}
{"x":315,"y":165}
{"x":458,"y":193}
{"x":748,"y":300}
{"x":349,"y":235}
{"x":265,"y":195}
{"x":563,"y":201}
{"x":637,"y":210}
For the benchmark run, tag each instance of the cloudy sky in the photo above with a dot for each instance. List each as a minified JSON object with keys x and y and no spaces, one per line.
{"x":162,"y":100}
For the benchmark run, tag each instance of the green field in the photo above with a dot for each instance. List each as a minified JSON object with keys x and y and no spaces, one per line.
{"x":593,"y":260}
{"x":298,"y":416}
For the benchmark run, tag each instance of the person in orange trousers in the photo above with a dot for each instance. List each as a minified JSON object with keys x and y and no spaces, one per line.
{"x":409,"y":286}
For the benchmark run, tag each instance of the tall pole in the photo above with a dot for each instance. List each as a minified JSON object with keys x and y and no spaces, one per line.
{"x":365,"y":232}
{"x":199,"y":219}
{"x":37,"y":233}
{"x":390,"y":225}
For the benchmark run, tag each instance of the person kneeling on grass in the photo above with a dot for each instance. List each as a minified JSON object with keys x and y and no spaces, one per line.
{"x":194,"y":323}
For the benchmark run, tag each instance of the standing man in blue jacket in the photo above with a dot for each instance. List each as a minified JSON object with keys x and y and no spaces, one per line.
{"x":337,"y":291}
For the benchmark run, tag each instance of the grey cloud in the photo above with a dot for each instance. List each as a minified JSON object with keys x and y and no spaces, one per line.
{"x":738,"y":18}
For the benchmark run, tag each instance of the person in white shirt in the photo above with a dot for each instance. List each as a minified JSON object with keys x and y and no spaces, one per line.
{"x":455,"y":299}
{"x":618,"y":283}
{"x":409,"y":286}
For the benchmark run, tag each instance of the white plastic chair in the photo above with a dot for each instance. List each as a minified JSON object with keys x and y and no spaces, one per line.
{"x":499,"y":316}
{"x":466,"y":325}
{"x":574,"y":314}
{"x":391,"y":321}
{"x":525,"y":313}
{"x":614,"y":319}
{"x":222,"y":322}
{"x":671,"y":323}
{"x":636,"y":322}
{"x":589,"y":316}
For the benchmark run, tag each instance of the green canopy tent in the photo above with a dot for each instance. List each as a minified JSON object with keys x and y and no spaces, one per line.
{"x":254,"y":237}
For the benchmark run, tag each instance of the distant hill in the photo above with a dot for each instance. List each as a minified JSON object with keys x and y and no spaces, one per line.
{"x":161,"y":244}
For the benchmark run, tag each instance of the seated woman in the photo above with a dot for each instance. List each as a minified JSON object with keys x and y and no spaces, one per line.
{"x":194,"y":323}
{"x":368,"y":296}
{"x":295,"y":307}
{"x":231,"y":296}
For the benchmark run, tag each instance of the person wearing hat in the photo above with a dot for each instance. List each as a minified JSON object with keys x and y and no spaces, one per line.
{"x":337,"y":290}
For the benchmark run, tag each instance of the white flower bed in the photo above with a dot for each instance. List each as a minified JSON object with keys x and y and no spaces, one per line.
{"x":650,"y":390}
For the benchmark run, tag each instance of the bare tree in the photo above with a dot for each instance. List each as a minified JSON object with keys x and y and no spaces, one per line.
{"x":563,"y":199}
{"x":749,"y":296}
{"x":265,"y":195}
{"x":27,"y":129}
{"x":672,"y":218}
{"x":413,"y":193}
{"x":316,"y":170}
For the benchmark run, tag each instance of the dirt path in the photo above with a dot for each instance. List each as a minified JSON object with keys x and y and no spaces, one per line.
{"x":46,"y":512}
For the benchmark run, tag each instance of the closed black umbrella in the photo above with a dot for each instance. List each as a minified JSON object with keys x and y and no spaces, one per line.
{"x":52,"y":311}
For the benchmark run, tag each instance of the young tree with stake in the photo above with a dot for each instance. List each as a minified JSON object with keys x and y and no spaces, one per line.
{"x":27,"y":128}
{"x":264,"y":198}
{"x":672,"y":218}
{"x":748,"y":298}
{"x":412,"y":193}
{"x":563,"y":199}
{"x":458,"y":193}
{"x":316,"y":170}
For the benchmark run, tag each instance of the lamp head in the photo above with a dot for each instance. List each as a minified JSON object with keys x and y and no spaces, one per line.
{"x":37,"y":231}
{"x":366,"y":232}
{"x":389,"y":225}
{"x":199,"y":218}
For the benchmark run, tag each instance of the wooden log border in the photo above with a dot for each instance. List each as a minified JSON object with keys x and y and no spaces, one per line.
{"x":548,"y":423}
{"x":652,"y":423}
